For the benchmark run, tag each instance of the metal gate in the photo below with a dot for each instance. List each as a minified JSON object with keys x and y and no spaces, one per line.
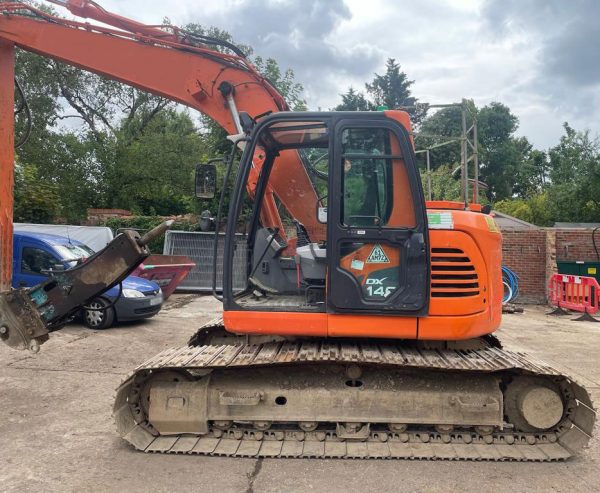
{"x":199,"y":247}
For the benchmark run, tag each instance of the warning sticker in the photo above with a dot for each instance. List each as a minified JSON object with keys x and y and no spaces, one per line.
{"x":591,"y":270}
{"x":491,"y":224}
{"x":377,"y":256}
{"x":357,"y":264}
{"x":440,"y":220}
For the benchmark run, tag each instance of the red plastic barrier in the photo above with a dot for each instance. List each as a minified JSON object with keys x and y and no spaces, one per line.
{"x":577,"y":293}
{"x":165,"y":270}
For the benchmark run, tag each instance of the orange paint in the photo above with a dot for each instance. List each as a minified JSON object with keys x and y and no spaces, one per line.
{"x":381,"y":326}
{"x":403,"y":209}
{"x":444,"y":204}
{"x":458,"y":327}
{"x":447,"y":328}
{"x":320,"y":324}
{"x":279,"y":323}
{"x":7,"y":159}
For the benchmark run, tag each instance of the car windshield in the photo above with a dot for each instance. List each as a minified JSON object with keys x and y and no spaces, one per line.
{"x":71,"y":252}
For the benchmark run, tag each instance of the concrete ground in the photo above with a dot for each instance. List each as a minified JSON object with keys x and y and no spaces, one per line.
{"x":56,"y":431}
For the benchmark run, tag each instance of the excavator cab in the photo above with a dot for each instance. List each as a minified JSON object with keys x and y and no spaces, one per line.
{"x":364,"y":248}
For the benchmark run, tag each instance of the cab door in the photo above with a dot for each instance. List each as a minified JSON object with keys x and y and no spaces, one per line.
{"x":378,"y":245}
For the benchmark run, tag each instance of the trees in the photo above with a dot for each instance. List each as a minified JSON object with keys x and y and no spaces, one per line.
{"x":98,"y":143}
{"x":152,"y":172}
{"x":391,"y":89}
{"x":536,"y":209}
{"x":285,"y":82}
{"x":575,"y":175}
{"x":508,"y":164}
{"x":353,"y":101}
{"x":35,"y":201}
{"x":564,"y":182}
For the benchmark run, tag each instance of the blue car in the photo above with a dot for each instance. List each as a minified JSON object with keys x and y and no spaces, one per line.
{"x":35,"y":255}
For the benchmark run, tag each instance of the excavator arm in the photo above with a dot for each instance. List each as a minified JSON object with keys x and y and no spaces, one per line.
{"x":165,"y":61}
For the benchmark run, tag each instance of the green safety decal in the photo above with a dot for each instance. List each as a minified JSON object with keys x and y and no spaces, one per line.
{"x":440,"y":220}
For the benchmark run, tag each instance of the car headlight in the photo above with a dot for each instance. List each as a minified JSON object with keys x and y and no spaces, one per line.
{"x":133,"y":293}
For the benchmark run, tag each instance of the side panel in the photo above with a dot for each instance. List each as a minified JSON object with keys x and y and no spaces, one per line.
{"x":466,"y":277}
{"x":276,"y":323}
{"x":379,"y":326}
{"x":7,"y":159}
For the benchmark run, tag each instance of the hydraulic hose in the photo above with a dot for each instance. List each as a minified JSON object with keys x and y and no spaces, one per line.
{"x":511,"y":282}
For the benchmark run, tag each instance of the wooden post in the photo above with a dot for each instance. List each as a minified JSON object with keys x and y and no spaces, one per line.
{"x":7,"y":161}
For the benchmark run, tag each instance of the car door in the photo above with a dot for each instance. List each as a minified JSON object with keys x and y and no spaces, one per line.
{"x":36,"y":261}
{"x":378,"y":248}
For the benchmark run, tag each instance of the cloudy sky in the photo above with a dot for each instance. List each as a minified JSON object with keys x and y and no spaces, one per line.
{"x":539,"y":57}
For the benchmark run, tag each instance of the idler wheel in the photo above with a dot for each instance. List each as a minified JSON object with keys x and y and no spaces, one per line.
{"x":223,"y":425}
{"x":308,"y":425}
{"x":533,"y":404}
{"x":262,"y":425}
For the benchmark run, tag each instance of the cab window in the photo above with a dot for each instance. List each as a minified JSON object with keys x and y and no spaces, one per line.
{"x":376,"y":189}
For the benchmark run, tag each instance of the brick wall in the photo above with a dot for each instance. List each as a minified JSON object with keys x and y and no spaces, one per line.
{"x":576,"y":244}
{"x":532,"y":255}
{"x":524,"y":252}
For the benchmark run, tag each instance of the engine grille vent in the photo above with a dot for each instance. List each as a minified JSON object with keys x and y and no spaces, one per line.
{"x":453,"y":275}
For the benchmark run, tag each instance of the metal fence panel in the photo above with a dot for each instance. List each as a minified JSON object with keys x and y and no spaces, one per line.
{"x":199,"y":247}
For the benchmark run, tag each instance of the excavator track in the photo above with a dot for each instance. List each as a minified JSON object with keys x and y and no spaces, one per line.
{"x":326,"y":440}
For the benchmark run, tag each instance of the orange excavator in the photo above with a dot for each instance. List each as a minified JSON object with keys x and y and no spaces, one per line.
{"x":357,"y":319}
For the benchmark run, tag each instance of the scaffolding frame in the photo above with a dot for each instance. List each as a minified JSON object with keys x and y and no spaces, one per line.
{"x":469,"y":148}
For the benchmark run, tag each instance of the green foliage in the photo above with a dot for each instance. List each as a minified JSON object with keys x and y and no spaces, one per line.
{"x":127,"y":149}
{"x":153,"y":169}
{"x":443,"y":185}
{"x":36,"y":201}
{"x":536,"y":210}
{"x":392,"y":90}
{"x":445,"y":123}
{"x":571,"y":192}
{"x":284,"y":82}
{"x":575,"y":173}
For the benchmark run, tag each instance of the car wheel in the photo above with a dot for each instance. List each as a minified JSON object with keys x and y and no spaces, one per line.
{"x":98,"y":315}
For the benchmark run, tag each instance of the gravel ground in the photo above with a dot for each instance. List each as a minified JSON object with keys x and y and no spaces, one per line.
{"x":56,"y":431}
